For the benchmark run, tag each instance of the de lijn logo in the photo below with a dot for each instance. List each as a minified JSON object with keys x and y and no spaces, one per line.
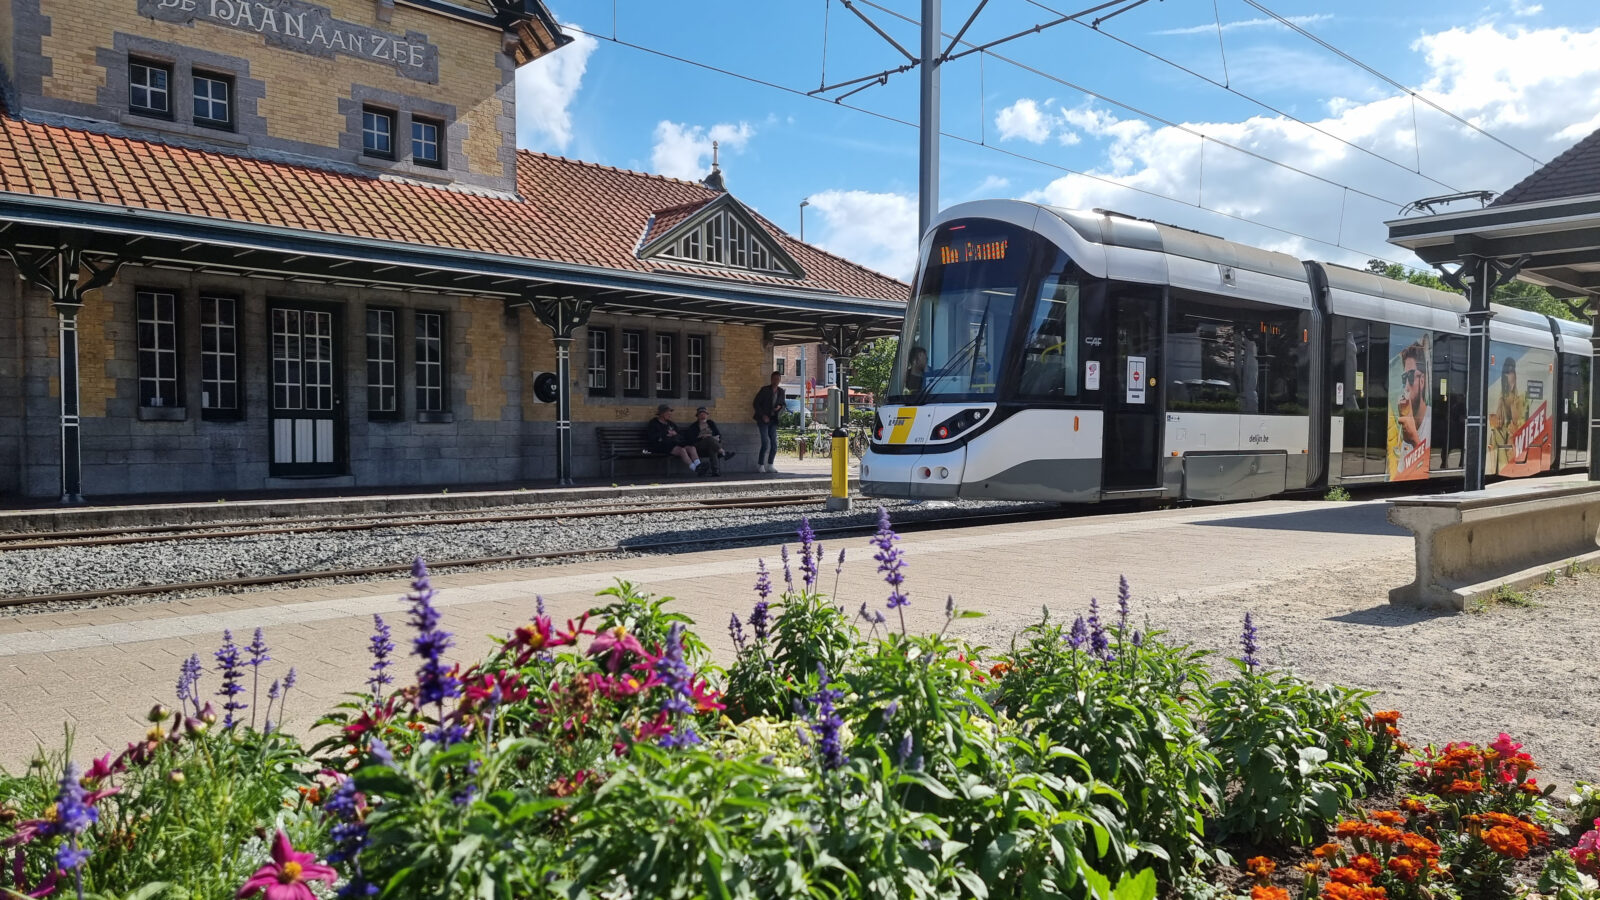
{"x":307,"y":28}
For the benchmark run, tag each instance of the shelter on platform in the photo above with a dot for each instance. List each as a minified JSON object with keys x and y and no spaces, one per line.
{"x":1545,"y":230}
{"x":297,"y":241}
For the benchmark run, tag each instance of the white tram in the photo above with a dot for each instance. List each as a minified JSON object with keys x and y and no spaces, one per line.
{"x":1049,"y":354}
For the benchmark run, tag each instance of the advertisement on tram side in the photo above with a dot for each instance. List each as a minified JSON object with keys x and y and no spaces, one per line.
{"x":1520,"y":385}
{"x":1411,"y":412}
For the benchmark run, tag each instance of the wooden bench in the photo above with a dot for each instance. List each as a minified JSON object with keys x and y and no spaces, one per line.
{"x":627,"y":442}
{"x":1470,"y":543}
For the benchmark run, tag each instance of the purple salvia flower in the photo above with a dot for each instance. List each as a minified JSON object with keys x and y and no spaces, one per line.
{"x":73,"y":817}
{"x":538,"y":601}
{"x":827,"y":724}
{"x":1248,"y":640}
{"x":808,"y":557}
{"x":760,"y":619}
{"x":228,"y":660}
{"x":788,"y":576}
{"x":903,"y":752}
{"x":189,"y":683}
{"x":1079,"y":634}
{"x":1099,"y":643}
{"x":258,"y":654}
{"x":736,"y":631}
{"x":675,"y":675}
{"x":839,"y":569}
{"x":890,"y":561}
{"x":380,"y":752}
{"x":1124,"y":603}
{"x":380,"y":645}
{"x":1138,"y":638}
{"x":435,"y":683}
{"x":890,"y":710}
{"x":763,"y":581}
{"x":950,"y":606}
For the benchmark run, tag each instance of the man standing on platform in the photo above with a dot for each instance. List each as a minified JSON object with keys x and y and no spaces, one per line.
{"x":768,"y":403}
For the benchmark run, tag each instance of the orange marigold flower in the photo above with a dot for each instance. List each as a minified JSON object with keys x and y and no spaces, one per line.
{"x":1267,"y":892}
{"x":1405,"y":868}
{"x":999,"y":669}
{"x":1260,"y":867}
{"x":1347,"y":875}
{"x":1330,"y":850}
{"x":1531,"y":786}
{"x":1420,"y":846}
{"x":1413,"y":805}
{"x":1383,"y":834}
{"x":1351,"y":828}
{"x":1506,"y":842}
{"x":1337,"y":891}
{"x":1313,"y":867}
{"x":1461,"y":786}
{"x":1386,"y":717}
{"x":1367,"y":864}
{"x":1387,"y":817}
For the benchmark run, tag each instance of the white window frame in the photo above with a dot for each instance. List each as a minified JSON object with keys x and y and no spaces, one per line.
{"x":633,"y":362}
{"x":144,"y":83}
{"x":370,"y":133}
{"x":211,"y":102}
{"x":219,"y":355}
{"x":666,"y":376}
{"x":694,"y":365}
{"x":383,"y":370}
{"x":436,"y":142}
{"x":599,"y":360}
{"x":429,"y":361}
{"x":157,"y":313}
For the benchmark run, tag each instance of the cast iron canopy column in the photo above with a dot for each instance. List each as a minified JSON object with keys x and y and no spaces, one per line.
{"x":564,"y":315}
{"x":843,"y":343}
{"x":1477,"y":277}
{"x":58,"y":269}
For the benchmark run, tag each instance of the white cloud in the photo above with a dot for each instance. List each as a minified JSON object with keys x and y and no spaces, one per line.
{"x":684,"y":151}
{"x":1302,"y":21}
{"x":1023,"y":119}
{"x":545,"y":90}
{"x":1530,"y":88}
{"x":877,"y":230}
{"x":1519,"y":8}
{"x":992,"y":185}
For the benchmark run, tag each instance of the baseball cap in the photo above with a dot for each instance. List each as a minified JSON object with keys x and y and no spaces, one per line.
{"x":700,"y":409}
{"x":663,"y":408}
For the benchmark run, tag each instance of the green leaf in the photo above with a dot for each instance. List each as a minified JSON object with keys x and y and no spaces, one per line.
{"x":1137,"y":887}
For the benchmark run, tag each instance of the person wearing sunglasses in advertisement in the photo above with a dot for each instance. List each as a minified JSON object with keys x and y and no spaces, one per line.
{"x":1413,"y":413}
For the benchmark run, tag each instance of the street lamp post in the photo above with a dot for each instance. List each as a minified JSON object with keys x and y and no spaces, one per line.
{"x":803,"y":204}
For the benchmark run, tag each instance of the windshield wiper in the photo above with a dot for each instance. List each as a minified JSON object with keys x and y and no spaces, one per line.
{"x":956,"y":362}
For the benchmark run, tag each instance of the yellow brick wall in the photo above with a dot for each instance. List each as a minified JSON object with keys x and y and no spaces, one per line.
{"x":8,"y":55}
{"x":484,"y":366}
{"x":302,"y":90}
{"x":96,"y":348}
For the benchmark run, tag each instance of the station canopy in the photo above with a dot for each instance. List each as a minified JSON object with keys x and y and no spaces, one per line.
{"x":1550,"y":222}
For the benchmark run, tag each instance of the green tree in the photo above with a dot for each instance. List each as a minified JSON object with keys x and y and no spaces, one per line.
{"x":871,"y":369}
{"x":1520,"y":294}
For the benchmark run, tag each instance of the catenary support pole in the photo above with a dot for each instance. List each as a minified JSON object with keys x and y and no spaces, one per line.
{"x":1477,"y":283}
{"x":563,"y":315}
{"x":1594,"y":382}
{"x":928,"y":156}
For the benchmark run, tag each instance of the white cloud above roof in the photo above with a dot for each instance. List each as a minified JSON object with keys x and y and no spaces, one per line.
{"x":877,"y":230}
{"x":546,"y":88}
{"x":684,"y":150}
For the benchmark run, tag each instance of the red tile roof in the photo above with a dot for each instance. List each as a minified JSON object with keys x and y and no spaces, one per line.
{"x":569,"y":211}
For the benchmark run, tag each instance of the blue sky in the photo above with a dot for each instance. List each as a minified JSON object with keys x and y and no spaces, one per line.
{"x":1078,"y":117}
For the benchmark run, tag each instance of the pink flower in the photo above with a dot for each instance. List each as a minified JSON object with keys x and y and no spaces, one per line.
{"x":1504,"y":746}
{"x":102,"y":769}
{"x":286,"y":876}
{"x":615,"y":641}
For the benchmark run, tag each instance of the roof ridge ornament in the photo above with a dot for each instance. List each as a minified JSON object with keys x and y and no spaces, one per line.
{"x":714,"y":180}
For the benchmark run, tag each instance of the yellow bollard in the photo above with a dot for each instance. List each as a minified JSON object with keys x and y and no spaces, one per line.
{"x":839,"y":498}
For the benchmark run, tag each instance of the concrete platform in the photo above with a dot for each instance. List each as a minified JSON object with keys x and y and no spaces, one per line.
{"x":311,"y":499}
{"x":101,"y":669}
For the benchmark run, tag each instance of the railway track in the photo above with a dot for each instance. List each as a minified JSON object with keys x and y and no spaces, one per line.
{"x":635,"y":547}
{"x":97,"y":537}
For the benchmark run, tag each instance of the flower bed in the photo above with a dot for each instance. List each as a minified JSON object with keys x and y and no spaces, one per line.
{"x":838,"y":755}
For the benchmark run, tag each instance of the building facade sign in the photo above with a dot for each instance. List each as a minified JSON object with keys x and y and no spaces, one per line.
{"x":307,"y":28}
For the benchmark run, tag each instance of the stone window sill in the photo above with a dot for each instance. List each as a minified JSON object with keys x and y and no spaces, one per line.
{"x":163,"y":413}
{"x":436,"y":418}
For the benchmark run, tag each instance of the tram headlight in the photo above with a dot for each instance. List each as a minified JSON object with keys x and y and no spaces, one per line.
{"x":958,"y":423}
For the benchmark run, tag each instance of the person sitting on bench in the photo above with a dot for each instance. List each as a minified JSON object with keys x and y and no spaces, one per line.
{"x":703,"y":435}
{"x":661,"y":436}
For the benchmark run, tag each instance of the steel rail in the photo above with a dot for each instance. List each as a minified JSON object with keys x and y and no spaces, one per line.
{"x":368,"y":522}
{"x":439,"y":565}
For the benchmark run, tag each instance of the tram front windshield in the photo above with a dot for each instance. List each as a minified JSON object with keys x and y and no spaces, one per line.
{"x":957,"y":327}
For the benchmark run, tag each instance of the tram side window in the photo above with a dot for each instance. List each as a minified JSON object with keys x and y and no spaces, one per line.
{"x":1232,"y":358}
{"x":1050,"y":347}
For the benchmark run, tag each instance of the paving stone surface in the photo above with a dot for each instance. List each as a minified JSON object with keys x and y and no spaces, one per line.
{"x":98,"y":671}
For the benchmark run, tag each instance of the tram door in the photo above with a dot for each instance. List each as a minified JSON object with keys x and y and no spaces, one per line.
{"x":305,"y":411}
{"x":1132,"y":458}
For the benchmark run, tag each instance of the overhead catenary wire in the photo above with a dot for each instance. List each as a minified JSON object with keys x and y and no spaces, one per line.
{"x":751,"y":79}
{"x":1377,"y":74}
{"x":1144,"y":114}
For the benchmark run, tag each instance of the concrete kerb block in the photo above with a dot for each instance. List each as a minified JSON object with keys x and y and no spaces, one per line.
{"x":1469,"y":544}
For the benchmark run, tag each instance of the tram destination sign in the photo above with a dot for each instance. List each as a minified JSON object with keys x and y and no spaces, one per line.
{"x":972,"y":251}
{"x":306,"y":28}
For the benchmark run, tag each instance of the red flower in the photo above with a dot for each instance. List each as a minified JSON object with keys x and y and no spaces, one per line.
{"x":285,"y":877}
{"x":704,"y":698}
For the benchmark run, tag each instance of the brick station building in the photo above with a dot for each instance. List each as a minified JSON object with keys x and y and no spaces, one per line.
{"x":256,"y":242}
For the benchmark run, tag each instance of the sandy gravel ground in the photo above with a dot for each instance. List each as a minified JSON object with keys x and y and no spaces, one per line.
{"x":1532,"y":671}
